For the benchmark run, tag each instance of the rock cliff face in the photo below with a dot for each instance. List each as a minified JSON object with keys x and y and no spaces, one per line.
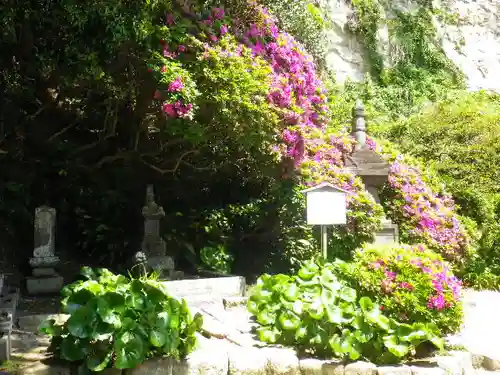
{"x":472,"y":43}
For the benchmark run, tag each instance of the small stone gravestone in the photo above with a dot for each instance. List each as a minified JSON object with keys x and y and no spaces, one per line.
{"x":45,"y":278}
{"x":153,"y":245}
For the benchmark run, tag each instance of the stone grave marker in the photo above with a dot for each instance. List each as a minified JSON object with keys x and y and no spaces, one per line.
{"x":153,"y":245}
{"x":44,"y":261}
{"x":373,"y":170}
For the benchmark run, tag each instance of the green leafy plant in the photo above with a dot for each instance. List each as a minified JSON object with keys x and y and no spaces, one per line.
{"x":411,"y":283}
{"x":216,"y":258}
{"x":318,"y":313}
{"x":118,"y":322}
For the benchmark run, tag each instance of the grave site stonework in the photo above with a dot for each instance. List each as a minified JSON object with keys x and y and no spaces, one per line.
{"x":373,"y":170}
{"x":45,"y":278}
{"x":226,"y":346}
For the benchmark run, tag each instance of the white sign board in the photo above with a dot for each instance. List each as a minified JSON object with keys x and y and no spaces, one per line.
{"x":326,"y":205}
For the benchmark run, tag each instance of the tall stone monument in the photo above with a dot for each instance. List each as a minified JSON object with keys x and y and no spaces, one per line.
{"x":44,"y":261}
{"x":373,"y":170}
{"x":153,"y":245}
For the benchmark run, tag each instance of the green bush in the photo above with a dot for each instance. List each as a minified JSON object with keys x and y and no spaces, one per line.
{"x":460,"y":138}
{"x":479,"y":275}
{"x":119,"y":322}
{"x":216,"y":258}
{"x":319,"y":314}
{"x":411,"y":283}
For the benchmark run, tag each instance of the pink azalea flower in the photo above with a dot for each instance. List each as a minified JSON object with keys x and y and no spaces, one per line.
{"x":176,"y":85}
{"x":170,"y":19}
{"x":218,"y":13}
{"x":169,"y":109}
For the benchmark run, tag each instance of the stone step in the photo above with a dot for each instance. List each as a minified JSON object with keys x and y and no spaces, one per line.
{"x":232,"y":286}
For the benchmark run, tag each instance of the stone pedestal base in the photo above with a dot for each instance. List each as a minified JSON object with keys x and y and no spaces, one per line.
{"x":163,"y":265}
{"x":44,"y":261}
{"x":388,"y":235}
{"x":44,"y":284}
{"x":44,"y":271}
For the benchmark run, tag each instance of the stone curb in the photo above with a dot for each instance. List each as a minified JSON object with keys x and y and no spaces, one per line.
{"x":218,"y":357}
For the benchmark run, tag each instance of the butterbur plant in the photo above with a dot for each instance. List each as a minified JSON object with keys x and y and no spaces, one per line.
{"x":411,"y":284}
{"x":119,"y":322}
{"x":318,"y":313}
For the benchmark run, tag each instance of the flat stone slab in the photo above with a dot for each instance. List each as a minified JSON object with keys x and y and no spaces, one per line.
{"x":231,"y":286}
{"x":481,"y":328}
{"x":30,"y":323}
{"x":44,"y":285}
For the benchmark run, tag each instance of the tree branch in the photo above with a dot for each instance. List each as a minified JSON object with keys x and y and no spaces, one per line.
{"x":91,"y":145}
{"x":175,"y":168}
{"x":60,"y":132}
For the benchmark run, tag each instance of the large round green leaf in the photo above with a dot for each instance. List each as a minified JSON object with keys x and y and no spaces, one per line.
{"x":395,"y":346}
{"x":130,"y":350}
{"x":289,"y":321}
{"x":316,"y":309}
{"x":291,"y":293}
{"x":73,"y":349}
{"x":49,"y":327}
{"x":268,"y":334}
{"x":347,"y":294}
{"x":308,"y":271}
{"x":335,"y":314}
{"x":162,"y":320}
{"x":98,"y":360}
{"x":157,"y":338}
{"x":107,"y":314}
{"x":103,"y":332}
{"x":253,"y":307}
{"x":81,"y":322}
{"x":115,"y":301}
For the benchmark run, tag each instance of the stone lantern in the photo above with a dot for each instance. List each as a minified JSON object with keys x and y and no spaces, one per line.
{"x":372,"y":169}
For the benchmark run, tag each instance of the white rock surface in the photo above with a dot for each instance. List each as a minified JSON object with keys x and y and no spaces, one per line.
{"x":477,"y":34}
{"x":481,"y":327}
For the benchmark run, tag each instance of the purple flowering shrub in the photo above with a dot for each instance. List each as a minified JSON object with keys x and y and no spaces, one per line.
{"x":289,"y":103}
{"x":423,"y":215}
{"x":411,"y":283}
{"x":243,"y":84}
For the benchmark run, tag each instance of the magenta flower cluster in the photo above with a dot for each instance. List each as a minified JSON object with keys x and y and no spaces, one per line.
{"x":445,"y":287}
{"x":433,"y":217}
{"x":296,"y":89}
{"x":429,"y":217}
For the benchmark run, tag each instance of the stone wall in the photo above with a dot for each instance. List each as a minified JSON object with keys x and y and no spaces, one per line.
{"x":477,"y":34}
{"x":223,"y":358}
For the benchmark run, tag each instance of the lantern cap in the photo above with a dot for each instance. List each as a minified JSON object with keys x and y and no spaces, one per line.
{"x":324,"y":185}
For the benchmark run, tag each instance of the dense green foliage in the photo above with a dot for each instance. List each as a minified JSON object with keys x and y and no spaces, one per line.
{"x":414,"y":69}
{"x":119,"y":322}
{"x":459,"y":140}
{"x":226,"y":114}
{"x":412,"y":283}
{"x":319,"y":314}
{"x":82,"y":123}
